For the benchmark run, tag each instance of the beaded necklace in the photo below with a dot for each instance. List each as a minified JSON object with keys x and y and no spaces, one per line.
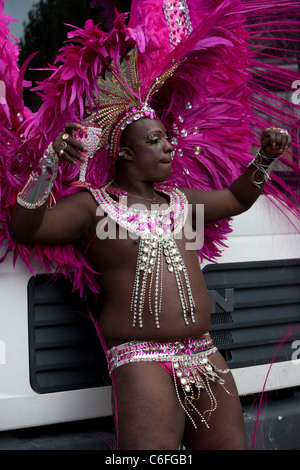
{"x":156,"y":231}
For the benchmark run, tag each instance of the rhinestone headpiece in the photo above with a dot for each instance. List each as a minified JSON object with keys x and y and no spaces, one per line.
{"x":118,"y":101}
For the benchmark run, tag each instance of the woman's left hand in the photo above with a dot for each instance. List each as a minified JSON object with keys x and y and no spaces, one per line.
{"x":274,"y":141}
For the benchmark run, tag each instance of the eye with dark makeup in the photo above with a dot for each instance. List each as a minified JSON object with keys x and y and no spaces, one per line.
{"x":155,"y":137}
{"x":153,"y":140}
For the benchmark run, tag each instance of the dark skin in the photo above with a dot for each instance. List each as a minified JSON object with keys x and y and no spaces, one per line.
{"x":149,"y":414}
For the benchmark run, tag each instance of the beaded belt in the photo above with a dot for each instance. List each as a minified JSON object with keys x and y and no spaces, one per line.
{"x":190,"y":366}
{"x":137,"y":351}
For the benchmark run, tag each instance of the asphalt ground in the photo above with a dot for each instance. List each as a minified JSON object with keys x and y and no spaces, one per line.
{"x":96,"y":434}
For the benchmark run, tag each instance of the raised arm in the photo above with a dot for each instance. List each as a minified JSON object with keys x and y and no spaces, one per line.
{"x":65,"y":222}
{"x":245,"y":190}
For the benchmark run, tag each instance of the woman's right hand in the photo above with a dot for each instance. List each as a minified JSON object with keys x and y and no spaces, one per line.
{"x":67,"y":147}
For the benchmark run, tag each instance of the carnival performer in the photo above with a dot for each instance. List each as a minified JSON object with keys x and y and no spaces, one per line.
{"x":156,"y":310}
{"x":114,"y":184}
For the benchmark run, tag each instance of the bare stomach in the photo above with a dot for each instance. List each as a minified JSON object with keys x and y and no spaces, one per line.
{"x":116,"y":259}
{"x":116,"y":318}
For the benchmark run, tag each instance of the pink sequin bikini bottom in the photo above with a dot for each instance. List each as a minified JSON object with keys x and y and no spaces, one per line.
{"x":187,"y":361}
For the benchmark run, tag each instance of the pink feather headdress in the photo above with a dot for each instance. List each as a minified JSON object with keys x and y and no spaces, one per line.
{"x":224,"y":80}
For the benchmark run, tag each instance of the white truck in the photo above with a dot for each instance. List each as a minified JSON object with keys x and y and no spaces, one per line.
{"x":52,"y":368}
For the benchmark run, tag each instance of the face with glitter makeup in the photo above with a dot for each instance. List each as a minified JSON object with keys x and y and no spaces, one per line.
{"x":154,"y":137}
{"x":149,"y":148}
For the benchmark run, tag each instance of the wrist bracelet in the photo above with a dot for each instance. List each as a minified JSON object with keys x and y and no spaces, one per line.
{"x":39,"y":185}
{"x":267,"y":155}
{"x":264,"y":169}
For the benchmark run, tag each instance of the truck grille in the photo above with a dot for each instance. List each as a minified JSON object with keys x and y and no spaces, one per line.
{"x":255,"y":310}
{"x":255,"y":317}
{"x":64,"y":349}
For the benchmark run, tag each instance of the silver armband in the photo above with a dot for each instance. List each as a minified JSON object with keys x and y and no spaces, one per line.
{"x":262,"y":169}
{"x":39,"y":185}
